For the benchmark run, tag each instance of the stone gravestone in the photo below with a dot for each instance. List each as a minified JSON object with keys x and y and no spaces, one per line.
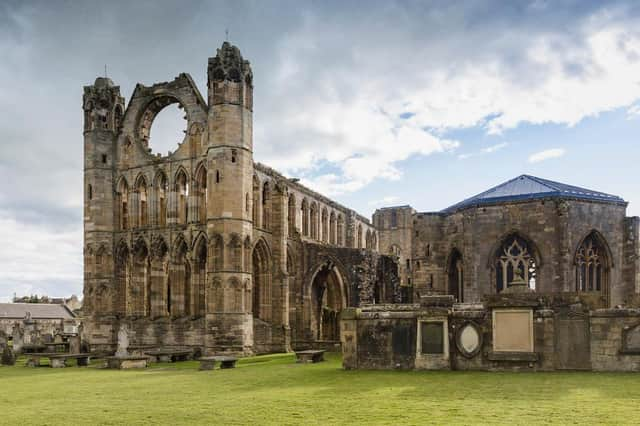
{"x":17,"y":337}
{"x":74,"y":344}
{"x":123,"y":342}
{"x":8,"y":356}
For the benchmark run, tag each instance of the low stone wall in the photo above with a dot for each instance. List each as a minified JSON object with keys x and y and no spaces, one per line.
{"x":519,"y":333}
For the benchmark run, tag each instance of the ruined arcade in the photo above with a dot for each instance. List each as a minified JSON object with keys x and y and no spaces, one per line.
{"x":203,"y":247}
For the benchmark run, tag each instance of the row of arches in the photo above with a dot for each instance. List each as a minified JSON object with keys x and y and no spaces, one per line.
{"x":143,"y":204}
{"x":316,"y":222}
{"x":516,"y":259}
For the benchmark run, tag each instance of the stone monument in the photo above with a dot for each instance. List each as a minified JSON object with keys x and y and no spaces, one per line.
{"x":122,"y":360}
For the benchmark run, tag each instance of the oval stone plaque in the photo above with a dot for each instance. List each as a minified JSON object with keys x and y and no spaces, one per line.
{"x":469,"y":340}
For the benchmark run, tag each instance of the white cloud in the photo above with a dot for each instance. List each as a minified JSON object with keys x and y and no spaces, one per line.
{"x":487,"y":150}
{"x":384,"y":201}
{"x":494,"y":148}
{"x":42,"y":261}
{"x":546,"y":155}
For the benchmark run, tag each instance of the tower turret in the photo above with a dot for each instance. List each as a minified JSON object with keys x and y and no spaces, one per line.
{"x":103,"y":112}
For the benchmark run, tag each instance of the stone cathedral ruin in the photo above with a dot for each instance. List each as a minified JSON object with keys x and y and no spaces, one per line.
{"x":206,"y":249}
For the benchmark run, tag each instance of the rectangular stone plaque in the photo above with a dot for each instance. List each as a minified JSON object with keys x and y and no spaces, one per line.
{"x":432,"y":338}
{"x":513,"y":330}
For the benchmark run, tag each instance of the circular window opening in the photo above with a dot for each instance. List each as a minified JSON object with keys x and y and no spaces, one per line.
{"x":168,"y":129}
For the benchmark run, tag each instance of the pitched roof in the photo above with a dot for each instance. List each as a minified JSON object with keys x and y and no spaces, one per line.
{"x":37,"y":310}
{"x":526,"y":187}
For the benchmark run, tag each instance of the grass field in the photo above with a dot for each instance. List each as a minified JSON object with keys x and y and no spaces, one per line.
{"x":274,"y":390}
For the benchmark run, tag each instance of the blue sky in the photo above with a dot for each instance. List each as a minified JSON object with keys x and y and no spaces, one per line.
{"x":402,"y":102}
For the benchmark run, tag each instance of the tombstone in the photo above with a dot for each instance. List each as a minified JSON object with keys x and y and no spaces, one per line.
{"x":17,"y":337}
{"x":8,"y":356}
{"x":123,"y":342}
{"x":74,"y":344}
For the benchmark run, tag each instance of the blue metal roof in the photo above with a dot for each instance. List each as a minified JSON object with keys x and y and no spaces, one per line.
{"x":526,"y":187}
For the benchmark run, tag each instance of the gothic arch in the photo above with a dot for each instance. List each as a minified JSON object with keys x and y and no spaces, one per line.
{"x":181,"y":188}
{"x":142,"y":200}
{"x":122,"y":276}
{"x":514,"y":256}
{"x":160,"y":190}
{"x":199,"y":274}
{"x":454,"y":270}
{"x":256,"y":202}
{"x":593,"y":263}
{"x":262,"y":276}
{"x":235,"y":252}
{"x":217,"y":252}
{"x":291,"y":214}
{"x":329,"y":294}
{"x":200,"y":191}
{"x":179,"y":289}
{"x":138,"y":292}
{"x":123,"y":203}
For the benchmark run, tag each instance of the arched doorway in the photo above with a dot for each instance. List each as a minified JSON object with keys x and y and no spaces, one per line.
{"x":456,"y":275}
{"x":327,"y":300}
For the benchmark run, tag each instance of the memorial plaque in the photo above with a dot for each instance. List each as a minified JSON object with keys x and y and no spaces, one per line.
{"x":432,"y":338}
{"x":469,"y":340}
{"x":513,"y":330}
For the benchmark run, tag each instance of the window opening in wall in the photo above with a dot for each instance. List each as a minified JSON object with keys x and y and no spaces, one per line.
{"x":431,"y":281}
{"x":217,"y":176}
{"x":233,"y":155}
{"x":394,"y":219}
{"x":104,"y":158}
{"x":90,"y":192}
{"x":514,"y":262}
{"x":428,"y":250}
{"x":408,"y":264}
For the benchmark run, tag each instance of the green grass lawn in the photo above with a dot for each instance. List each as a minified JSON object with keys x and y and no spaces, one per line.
{"x":274,"y":390}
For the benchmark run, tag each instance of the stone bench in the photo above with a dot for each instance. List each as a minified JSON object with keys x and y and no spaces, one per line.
{"x":311,"y":356}
{"x":209,"y":362}
{"x":170,"y":355}
{"x":56,"y":359}
{"x":126,"y":362}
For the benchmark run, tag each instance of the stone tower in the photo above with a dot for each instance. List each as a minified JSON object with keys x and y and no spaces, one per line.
{"x":229,"y":202}
{"x":103,"y":112}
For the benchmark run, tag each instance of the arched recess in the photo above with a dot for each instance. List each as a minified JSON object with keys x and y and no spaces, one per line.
{"x":160,"y":187}
{"x":235,"y":252}
{"x":332,"y":228}
{"x":217,"y":252}
{"x":266,"y":206}
{"x":340,"y":231}
{"x":123,"y":203}
{"x":179,"y":286}
{"x":159,"y":278}
{"x":313,"y":220}
{"x":142,"y":199}
{"x":359,"y":237}
{"x":325,"y":225}
{"x":246,"y":265}
{"x":139,"y":288}
{"x":455,"y":275}
{"x":256,"y":202}
{"x":291,"y":214}
{"x":181,"y":188}
{"x":593,"y":263}
{"x":122,"y":275}
{"x":199,"y":275}
{"x":262,"y":271}
{"x":328,"y":298}
{"x":368,"y":239}
{"x":200,"y":191}
{"x":304,"y":207}
{"x":514,"y":257}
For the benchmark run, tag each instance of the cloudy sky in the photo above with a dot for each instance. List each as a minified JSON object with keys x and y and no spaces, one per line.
{"x":399,"y":102}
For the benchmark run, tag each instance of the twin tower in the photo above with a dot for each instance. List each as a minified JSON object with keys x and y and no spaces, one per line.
{"x":170,"y":236}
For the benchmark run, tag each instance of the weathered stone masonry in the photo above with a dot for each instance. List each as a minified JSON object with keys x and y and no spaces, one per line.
{"x":203,"y":247}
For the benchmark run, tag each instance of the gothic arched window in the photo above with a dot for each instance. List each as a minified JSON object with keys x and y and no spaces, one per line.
{"x":515,"y":261}
{"x":592,"y":265}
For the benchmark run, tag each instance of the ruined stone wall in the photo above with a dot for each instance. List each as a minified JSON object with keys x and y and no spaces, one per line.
{"x":566,"y":336}
{"x":555,"y":228}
